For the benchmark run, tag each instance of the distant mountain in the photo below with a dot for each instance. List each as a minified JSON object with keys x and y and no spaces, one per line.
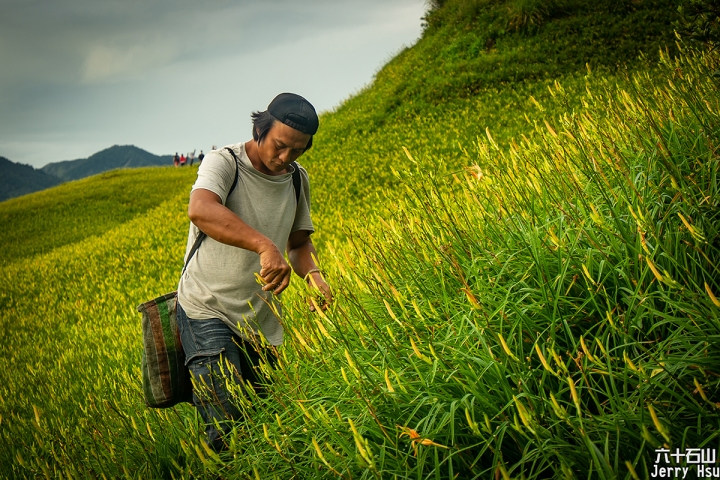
{"x":117,"y":156}
{"x":17,"y":179}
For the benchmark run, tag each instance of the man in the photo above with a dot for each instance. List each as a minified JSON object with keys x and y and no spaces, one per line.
{"x":223,"y":312}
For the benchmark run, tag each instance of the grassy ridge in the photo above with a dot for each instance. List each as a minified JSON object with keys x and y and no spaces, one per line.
{"x":461,"y":89}
{"x":71,"y":327}
{"x":538,"y":308}
{"x":71,"y":212}
{"x":547,"y":312}
{"x":477,"y":67}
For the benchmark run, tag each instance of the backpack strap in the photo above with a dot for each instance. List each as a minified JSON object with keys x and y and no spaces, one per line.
{"x":297,"y":181}
{"x":201,"y":236}
{"x":237,"y":171}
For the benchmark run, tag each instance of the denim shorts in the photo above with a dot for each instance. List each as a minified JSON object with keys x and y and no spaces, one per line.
{"x":220,"y":363}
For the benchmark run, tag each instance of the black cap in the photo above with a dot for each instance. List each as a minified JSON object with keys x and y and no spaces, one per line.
{"x":294,"y":111}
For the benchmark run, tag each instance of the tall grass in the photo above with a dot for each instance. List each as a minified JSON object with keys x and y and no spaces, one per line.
{"x":70,"y":404}
{"x":550,"y":311}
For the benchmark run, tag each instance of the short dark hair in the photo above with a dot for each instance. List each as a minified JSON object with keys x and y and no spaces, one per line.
{"x":263,"y":122}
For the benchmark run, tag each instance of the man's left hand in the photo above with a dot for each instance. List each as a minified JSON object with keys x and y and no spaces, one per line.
{"x":320,"y":292}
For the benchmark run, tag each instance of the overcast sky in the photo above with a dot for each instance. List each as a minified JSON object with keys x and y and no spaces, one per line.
{"x":78,"y":76}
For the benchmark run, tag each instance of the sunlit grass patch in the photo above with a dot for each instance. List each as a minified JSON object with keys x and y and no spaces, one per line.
{"x":73,"y":211}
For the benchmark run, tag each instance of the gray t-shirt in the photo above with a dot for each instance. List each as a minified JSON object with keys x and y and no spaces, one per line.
{"x":219,"y":281}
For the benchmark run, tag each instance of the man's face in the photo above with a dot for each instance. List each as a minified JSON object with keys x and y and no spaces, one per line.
{"x":281,"y":146}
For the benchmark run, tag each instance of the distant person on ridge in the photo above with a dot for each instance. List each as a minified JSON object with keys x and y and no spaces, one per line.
{"x":192,"y":157}
{"x":253,"y":201}
{"x":176,"y":160}
{"x":182,"y":159}
{"x":200,"y":157}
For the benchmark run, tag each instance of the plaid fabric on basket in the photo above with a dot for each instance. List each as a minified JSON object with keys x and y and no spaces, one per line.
{"x":166,"y":379}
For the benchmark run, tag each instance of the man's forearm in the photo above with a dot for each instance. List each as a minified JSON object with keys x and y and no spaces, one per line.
{"x":221,"y":224}
{"x":301,"y":258}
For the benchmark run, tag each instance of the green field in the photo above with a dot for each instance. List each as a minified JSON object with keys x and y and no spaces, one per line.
{"x":72,"y":212}
{"x":526,"y":262}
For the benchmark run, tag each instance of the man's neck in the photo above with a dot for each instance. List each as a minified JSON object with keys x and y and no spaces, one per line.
{"x":251,"y":150}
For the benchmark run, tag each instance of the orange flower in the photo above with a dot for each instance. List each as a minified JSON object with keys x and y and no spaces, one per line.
{"x":416,"y":438}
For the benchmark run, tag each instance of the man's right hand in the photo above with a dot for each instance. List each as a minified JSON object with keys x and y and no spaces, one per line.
{"x":274,"y":270}
{"x":218,"y":222}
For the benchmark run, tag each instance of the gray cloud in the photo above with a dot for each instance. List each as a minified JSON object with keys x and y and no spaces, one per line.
{"x":80,"y":75}
{"x":80,"y":39}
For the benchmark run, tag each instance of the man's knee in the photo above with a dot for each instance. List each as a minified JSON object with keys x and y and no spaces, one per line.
{"x":214,"y":378}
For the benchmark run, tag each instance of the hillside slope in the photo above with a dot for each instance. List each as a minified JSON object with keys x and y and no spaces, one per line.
{"x":551,"y":314}
{"x":538,"y":305}
{"x":477,"y":65}
{"x":437,"y":97}
{"x":71,"y":212}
